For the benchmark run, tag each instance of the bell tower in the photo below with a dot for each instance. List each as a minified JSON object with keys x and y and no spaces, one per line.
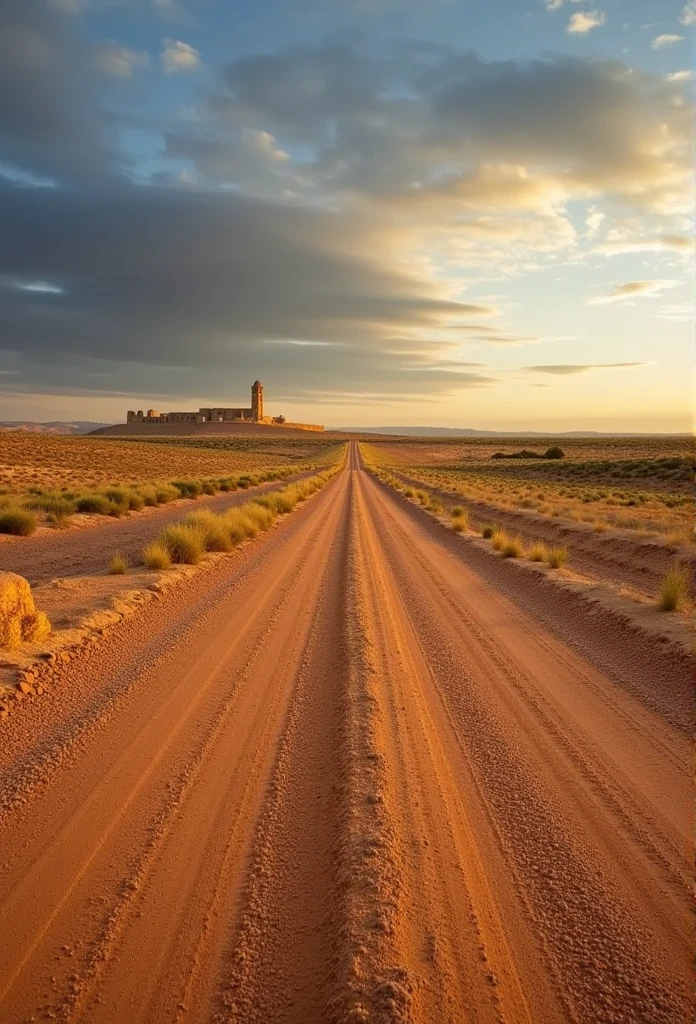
{"x":257,"y":401}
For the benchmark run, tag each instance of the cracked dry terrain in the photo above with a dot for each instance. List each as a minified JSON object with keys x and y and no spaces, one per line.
{"x":351,"y":774}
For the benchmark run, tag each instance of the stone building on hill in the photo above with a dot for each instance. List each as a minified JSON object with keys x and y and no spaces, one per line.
{"x":254,"y":414}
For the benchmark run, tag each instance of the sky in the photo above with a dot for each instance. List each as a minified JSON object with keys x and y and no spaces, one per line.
{"x":392,"y":212}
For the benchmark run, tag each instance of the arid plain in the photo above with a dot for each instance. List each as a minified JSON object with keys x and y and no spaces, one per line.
{"x":350,"y":730}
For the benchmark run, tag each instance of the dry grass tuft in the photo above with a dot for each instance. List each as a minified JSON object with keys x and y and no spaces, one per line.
{"x":20,"y":622}
{"x":118,"y":566}
{"x":513,"y":548}
{"x":499,"y":539}
{"x":18,"y":522}
{"x":184,"y":543}
{"x":156,"y":556}
{"x":674,"y":590}
{"x":556,"y":557}
{"x":538,"y":553}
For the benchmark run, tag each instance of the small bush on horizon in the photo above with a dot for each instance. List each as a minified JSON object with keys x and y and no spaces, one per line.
{"x":118,"y":566}
{"x":17,"y":521}
{"x":674,"y":589}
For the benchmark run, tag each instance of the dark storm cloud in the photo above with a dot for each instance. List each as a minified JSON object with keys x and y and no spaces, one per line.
{"x":180,"y":278}
{"x":50,"y":124}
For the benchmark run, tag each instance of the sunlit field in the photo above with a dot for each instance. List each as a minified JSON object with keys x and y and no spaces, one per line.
{"x":53,"y":477}
{"x":634,"y":483}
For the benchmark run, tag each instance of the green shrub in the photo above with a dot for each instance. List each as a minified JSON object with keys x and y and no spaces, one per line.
{"x":184,"y":543}
{"x":156,"y":556}
{"x":17,"y":521}
{"x":118,"y":566}
{"x":554,"y":453}
{"x":188,"y":488}
{"x":556,"y":557}
{"x":674,"y":589}
{"x":457,"y":512}
{"x":148,"y":494}
{"x":166,"y":493}
{"x":54,"y":504}
{"x":97,"y":504}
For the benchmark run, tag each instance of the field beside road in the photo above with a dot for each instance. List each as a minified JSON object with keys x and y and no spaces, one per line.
{"x":361,"y":771}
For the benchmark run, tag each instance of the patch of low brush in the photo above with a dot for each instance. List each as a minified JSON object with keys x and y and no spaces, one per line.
{"x":674,"y":589}
{"x":538,"y":553}
{"x":487,"y":531}
{"x":184,"y":543}
{"x":512,"y":548}
{"x":118,"y":566}
{"x":499,"y":539}
{"x":460,"y":519}
{"x":156,"y":556}
{"x":557,"y":557}
{"x":214,"y":535}
{"x":17,"y":521}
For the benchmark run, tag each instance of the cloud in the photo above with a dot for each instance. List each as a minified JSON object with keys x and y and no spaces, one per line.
{"x":178,"y":56}
{"x":632,"y":290}
{"x":240,"y":276}
{"x":688,"y":14}
{"x":119,"y":61}
{"x":659,"y":243}
{"x":659,"y":42}
{"x":568,"y":369}
{"x":583,"y":22}
{"x":50,"y":124}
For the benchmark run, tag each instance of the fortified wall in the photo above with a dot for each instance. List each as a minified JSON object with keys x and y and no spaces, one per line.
{"x":226,"y":414}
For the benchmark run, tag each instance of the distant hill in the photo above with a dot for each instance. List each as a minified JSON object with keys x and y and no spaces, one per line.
{"x":51,"y":427}
{"x":470,"y":432}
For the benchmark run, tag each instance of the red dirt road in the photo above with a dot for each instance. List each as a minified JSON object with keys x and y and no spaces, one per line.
{"x":350,"y":775}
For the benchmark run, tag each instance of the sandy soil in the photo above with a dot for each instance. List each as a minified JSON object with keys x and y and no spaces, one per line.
{"x":353,"y":775}
{"x":87,"y":548}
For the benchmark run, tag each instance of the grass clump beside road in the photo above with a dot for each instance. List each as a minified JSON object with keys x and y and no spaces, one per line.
{"x":674,"y":590}
{"x":118,"y":566}
{"x":156,"y":556}
{"x":556,"y":557}
{"x":18,"y":522}
{"x":538,"y":553}
{"x":512,"y":548}
{"x":186,"y":542}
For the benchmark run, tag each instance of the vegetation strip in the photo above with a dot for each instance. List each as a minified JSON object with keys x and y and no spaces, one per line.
{"x":674,"y":590}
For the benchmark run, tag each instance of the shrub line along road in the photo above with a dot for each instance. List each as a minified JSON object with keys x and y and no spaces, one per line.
{"x":347,"y":776}
{"x":87,"y":550}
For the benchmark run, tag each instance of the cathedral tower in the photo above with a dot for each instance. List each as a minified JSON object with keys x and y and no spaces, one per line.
{"x":257,"y":401}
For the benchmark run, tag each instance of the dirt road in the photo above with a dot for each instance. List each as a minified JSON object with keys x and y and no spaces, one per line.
{"x":349,"y":775}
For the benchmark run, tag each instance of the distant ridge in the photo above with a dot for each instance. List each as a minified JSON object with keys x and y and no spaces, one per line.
{"x":50,"y":427}
{"x":471,"y":432}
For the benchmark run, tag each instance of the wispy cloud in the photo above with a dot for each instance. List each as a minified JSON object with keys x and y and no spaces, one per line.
{"x":631,"y":290}
{"x":667,"y":39}
{"x":178,"y":56}
{"x":568,"y":369}
{"x":657,"y":243}
{"x":119,"y":61}
{"x":583,"y":22}
{"x":688,"y":15}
